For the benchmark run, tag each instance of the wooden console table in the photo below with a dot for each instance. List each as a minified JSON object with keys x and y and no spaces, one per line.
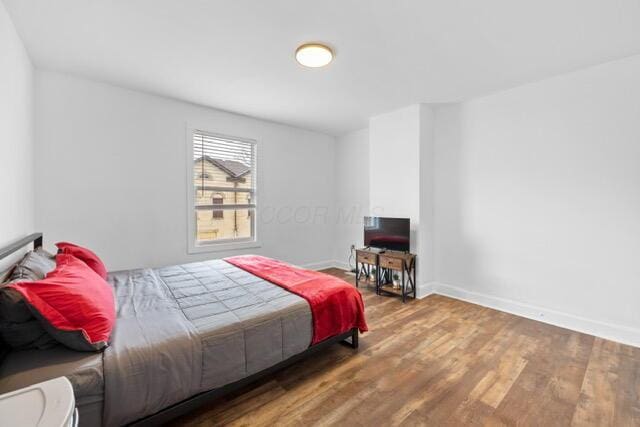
{"x":386,"y":263}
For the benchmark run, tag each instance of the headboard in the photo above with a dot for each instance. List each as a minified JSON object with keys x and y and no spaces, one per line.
{"x":36,"y":238}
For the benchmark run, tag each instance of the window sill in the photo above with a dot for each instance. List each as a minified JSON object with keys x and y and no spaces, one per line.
{"x":221,"y":247}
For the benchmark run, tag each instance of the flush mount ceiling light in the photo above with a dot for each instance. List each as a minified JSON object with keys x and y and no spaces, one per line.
{"x":314,"y":55}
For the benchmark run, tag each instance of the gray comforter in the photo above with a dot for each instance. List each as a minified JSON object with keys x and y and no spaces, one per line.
{"x":186,"y":329}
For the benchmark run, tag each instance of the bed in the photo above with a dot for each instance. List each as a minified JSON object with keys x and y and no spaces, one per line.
{"x":184,"y":335}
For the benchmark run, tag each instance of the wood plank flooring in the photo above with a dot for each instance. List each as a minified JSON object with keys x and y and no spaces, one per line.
{"x":440,"y":361}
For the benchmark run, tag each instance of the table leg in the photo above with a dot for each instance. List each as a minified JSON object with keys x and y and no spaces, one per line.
{"x":403,"y":286}
{"x":413,"y":265}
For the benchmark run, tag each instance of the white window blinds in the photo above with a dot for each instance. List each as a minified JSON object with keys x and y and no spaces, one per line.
{"x":224,"y":187}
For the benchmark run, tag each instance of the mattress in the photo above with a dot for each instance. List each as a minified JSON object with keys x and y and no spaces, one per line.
{"x":190,"y":328}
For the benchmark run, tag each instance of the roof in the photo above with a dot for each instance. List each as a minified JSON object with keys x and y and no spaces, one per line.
{"x":232,"y":167}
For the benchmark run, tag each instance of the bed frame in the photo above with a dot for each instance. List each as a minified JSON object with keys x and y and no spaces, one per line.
{"x":36,"y":238}
{"x":349,"y":338}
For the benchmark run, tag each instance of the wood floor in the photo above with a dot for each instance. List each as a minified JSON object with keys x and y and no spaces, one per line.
{"x":440,"y":361}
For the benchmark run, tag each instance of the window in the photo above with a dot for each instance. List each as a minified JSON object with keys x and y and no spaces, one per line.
{"x":217,"y":213}
{"x":222,"y":191}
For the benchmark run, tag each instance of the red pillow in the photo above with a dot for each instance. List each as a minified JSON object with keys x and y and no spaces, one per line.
{"x":84,"y":254}
{"x":74,"y":304}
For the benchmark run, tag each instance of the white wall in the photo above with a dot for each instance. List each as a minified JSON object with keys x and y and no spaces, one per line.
{"x":16,"y":137}
{"x":401,"y":175}
{"x":538,"y":199}
{"x":111,"y":174}
{"x":426,"y":234}
{"x":394,"y":168}
{"x":351,"y":193}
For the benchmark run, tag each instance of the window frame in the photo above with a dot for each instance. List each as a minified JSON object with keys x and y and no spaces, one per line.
{"x":194,"y":246}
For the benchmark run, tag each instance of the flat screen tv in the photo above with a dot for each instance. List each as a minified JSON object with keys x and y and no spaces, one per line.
{"x":386,"y":233}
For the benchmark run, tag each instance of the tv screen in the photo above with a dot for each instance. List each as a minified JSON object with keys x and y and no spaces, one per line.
{"x":386,"y":233}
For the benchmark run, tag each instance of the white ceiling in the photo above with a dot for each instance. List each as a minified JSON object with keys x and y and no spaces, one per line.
{"x":237,"y":55}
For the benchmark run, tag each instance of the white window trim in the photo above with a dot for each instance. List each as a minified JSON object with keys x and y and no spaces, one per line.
{"x":193,"y":246}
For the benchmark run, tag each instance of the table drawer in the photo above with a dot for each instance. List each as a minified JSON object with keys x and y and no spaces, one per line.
{"x":390,"y":262}
{"x":366,"y":257}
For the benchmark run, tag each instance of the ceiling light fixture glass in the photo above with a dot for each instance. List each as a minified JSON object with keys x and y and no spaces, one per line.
{"x":314,"y":55}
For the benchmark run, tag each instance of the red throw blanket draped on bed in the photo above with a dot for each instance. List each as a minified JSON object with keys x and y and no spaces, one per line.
{"x":336,"y":306}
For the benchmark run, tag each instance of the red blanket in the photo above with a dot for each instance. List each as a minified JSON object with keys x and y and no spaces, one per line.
{"x":336,"y":306}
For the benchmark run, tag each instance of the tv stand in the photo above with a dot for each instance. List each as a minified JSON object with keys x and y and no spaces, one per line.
{"x":385,"y":263}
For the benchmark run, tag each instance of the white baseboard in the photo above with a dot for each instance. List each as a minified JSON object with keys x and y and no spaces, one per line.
{"x":613,"y":332}
{"x":610,"y":331}
{"x":425,"y":289}
{"x":321,"y":265}
{"x":342,"y":265}
{"x":327,"y":264}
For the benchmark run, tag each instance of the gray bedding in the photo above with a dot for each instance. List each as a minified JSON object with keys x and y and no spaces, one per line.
{"x":180,"y":331}
{"x":186,"y":329}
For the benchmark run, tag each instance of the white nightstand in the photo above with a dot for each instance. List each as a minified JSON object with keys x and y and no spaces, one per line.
{"x":47,"y":404}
